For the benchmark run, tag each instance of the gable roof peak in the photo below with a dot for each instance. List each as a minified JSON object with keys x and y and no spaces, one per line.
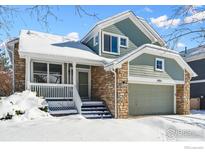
{"x":138,"y":21}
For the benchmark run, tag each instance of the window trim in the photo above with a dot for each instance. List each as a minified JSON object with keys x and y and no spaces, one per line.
{"x":118,"y":44}
{"x":94,"y":40}
{"x":48,"y":72}
{"x":124,"y":37}
{"x":163,"y":65}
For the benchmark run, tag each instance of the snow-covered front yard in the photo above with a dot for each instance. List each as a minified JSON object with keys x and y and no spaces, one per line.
{"x":76,"y":128}
{"x":22,"y":119}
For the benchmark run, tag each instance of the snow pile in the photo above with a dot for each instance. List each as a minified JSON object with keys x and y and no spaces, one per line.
{"x":23,"y":105}
{"x":202,"y":112}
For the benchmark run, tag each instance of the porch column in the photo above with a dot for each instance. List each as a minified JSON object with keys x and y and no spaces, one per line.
{"x":74,"y":73}
{"x":27,"y":76}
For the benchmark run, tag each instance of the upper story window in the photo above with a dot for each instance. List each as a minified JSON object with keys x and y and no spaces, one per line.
{"x":96,"y":40}
{"x":159,"y":64}
{"x":123,"y":42}
{"x":111,"y":44}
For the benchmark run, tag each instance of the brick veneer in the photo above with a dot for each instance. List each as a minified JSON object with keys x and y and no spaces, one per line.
{"x":102,"y":88}
{"x":183,"y":96}
{"x":19,"y":69}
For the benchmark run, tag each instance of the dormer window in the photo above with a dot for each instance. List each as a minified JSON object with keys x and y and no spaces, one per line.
{"x":124,"y":42}
{"x":159,"y":64}
{"x":96,"y":40}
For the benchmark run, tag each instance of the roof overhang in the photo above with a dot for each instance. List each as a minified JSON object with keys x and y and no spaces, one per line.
{"x":61,"y":59}
{"x":143,"y":26}
{"x":153,"y":50}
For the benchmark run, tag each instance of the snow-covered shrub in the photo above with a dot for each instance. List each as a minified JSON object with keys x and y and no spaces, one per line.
{"x":25,"y":105}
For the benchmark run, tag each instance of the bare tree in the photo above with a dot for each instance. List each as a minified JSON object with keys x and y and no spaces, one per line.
{"x":190,"y":16}
{"x":40,"y":13}
{"x":80,"y":11}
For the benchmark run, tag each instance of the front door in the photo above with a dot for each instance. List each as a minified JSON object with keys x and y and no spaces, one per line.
{"x":83,"y":84}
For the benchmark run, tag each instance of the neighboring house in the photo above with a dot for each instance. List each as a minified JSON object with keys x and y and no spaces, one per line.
{"x":121,"y":62}
{"x":195,"y":57}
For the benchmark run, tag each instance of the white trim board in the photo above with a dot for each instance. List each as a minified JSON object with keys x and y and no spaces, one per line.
{"x":154,"y":81}
{"x":61,"y":59}
{"x":198,"y":81}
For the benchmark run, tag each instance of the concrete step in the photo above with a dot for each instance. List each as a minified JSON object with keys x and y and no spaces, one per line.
{"x":95,"y":112}
{"x":63,"y":112}
{"x":94,"y":108}
{"x":92,"y":103}
{"x":90,"y":116}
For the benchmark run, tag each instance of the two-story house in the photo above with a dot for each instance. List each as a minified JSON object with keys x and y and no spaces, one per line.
{"x":121,"y":63}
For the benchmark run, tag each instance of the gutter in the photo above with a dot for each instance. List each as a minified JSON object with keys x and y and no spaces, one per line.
{"x":115,"y":99}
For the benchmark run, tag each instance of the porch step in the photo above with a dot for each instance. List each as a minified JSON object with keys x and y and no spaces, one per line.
{"x":98,"y":116}
{"x":95,"y":110}
{"x":61,"y":107}
{"x":63,"y":112}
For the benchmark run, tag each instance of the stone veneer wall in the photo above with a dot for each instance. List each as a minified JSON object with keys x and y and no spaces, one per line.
{"x":102,"y":88}
{"x":19,"y":68}
{"x":183,"y":96}
{"x":122,"y":91}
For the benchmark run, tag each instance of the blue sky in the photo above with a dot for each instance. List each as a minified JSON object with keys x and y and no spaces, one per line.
{"x":71,"y":22}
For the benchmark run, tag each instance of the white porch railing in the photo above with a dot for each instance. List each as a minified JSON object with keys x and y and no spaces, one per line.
{"x":52,"y":91}
{"x":77,"y":99}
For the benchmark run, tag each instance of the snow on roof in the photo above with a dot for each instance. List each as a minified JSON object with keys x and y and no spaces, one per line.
{"x":194,"y":51}
{"x":39,"y":43}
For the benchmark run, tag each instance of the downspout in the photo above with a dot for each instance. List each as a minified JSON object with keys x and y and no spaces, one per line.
{"x":113,"y":71}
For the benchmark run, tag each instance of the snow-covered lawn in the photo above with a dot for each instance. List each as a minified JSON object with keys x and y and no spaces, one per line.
{"x":76,"y":128}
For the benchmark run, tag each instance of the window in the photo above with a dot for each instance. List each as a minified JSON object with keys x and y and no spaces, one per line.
{"x":111,"y":44}
{"x":40,"y":72}
{"x":55,"y":73}
{"x":96,"y":40}
{"x":123,"y":42}
{"x":159,"y":64}
{"x":47,"y":73}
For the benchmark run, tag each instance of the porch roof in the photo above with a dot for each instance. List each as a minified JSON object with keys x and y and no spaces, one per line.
{"x":32,"y":43}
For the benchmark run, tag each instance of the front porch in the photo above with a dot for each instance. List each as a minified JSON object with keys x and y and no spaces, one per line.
{"x":65,"y":86}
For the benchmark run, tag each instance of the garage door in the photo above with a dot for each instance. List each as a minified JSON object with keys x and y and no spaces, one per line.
{"x":151,"y":99}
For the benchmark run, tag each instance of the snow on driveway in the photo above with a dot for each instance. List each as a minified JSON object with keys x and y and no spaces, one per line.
{"x":76,"y":128}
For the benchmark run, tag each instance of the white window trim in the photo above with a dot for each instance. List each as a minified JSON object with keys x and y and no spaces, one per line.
{"x":118,"y":45}
{"x":157,"y":69}
{"x":124,"y":46}
{"x":46,"y":62}
{"x":94,"y":40}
